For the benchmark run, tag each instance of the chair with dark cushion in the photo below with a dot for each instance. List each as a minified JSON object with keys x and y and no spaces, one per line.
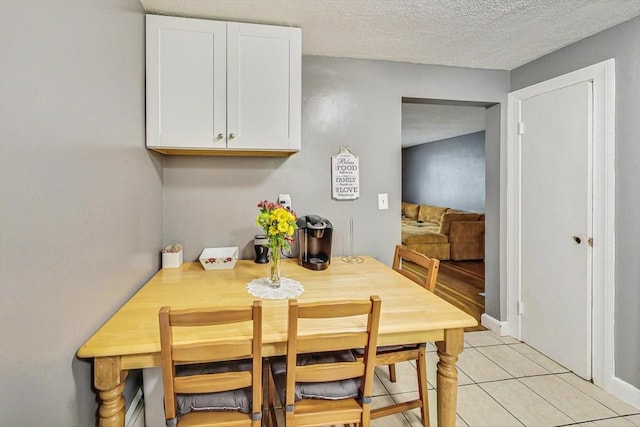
{"x":320,"y":382}
{"x":212,"y":383}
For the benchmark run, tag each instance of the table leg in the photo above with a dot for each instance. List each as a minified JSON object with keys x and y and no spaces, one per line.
{"x":448,"y":351}
{"x":109,"y":380}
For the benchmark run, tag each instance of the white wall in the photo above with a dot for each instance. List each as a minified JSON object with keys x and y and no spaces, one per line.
{"x":621,"y":42}
{"x":80,"y":196}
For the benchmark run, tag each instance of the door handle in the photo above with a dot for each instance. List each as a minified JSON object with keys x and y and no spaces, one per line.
{"x":577,"y":239}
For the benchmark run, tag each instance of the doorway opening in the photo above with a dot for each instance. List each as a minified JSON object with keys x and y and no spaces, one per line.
{"x":444,"y":167}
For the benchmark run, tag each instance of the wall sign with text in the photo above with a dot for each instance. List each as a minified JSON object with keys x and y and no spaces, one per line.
{"x":345,"y":175}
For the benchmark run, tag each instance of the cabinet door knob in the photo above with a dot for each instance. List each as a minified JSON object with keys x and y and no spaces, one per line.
{"x":232,"y":135}
{"x":577,"y":239}
{"x":220,"y":136}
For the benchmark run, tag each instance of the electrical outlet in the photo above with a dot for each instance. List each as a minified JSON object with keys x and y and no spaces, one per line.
{"x":383,"y":201}
{"x":285,"y":200}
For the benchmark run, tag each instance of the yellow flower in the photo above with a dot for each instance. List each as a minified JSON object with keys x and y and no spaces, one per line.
{"x":283,"y":227}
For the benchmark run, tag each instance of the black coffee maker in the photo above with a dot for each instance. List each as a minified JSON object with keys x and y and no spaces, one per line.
{"x":314,"y":242}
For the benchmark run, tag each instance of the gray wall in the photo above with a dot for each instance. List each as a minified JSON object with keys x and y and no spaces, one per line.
{"x":448,"y":173}
{"x":622,"y":43}
{"x":81,"y":200}
{"x":80,"y":196}
{"x":212,"y":201}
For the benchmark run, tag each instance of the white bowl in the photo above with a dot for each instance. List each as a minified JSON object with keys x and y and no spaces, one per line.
{"x":219,"y":258}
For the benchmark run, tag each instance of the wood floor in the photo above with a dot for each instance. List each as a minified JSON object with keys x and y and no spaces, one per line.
{"x":461,"y":284}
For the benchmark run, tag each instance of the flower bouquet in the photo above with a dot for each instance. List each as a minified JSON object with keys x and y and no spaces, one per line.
{"x":279,"y":224}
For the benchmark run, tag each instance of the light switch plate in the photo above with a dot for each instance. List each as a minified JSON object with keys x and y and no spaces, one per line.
{"x":383,"y":201}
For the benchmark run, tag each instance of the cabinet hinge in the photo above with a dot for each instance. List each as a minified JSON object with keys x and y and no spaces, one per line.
{"x":520,"y":128}
{"x":520,"y":308}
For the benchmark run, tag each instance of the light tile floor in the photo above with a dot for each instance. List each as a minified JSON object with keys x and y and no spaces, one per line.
{"x":503,"y":382}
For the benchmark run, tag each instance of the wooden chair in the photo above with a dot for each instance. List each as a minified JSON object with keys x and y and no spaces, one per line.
{"x":424,"y":271}
{"x":217,"y":392}
{"x":417,"y":267}
{"x":339,"y":368}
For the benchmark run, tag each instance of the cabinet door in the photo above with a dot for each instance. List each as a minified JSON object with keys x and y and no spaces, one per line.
{"x":186,"y":82}
{"x":263,"y":87}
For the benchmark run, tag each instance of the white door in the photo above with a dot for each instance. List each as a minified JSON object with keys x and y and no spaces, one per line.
{"x":556,"y":200}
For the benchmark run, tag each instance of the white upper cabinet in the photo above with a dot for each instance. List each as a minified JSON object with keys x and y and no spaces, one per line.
{"x":222,"y":88}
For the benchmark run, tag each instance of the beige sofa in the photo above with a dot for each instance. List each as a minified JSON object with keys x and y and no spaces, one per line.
{"x":443,"y":233}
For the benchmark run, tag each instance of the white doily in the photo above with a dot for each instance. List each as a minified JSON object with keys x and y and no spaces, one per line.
{"x":289,"y":288}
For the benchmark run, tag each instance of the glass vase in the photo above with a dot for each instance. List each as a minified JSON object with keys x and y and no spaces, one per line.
{"x":274,"y":268}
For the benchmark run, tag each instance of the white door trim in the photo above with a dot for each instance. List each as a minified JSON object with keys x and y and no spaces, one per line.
{"x":603,"y":77}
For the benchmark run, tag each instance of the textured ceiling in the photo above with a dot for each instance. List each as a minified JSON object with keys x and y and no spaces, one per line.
{"x":493,"y":34}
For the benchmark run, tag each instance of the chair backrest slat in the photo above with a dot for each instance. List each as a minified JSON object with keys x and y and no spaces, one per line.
{"x":210,"y":316}
{"x":331,"y":342}
{"x":326,"y":310}
{"x":212,"y":352}
{"x":329,"y":371}
{"x":212,"y":383}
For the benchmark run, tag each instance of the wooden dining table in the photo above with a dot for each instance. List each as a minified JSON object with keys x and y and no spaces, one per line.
{"x":410,"y":314}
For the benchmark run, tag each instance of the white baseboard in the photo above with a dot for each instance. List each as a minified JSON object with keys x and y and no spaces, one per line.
{"x":625,"y":392}
{"x":494,"y":325}
{"x":135,"y":414}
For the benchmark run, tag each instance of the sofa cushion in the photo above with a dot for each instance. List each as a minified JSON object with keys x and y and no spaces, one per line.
{"x":449,"y":217}
{"x":414,"y":224}
{"x":411,"y":236}
{"x":429,"y":213}
{"x":410,"y":210}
